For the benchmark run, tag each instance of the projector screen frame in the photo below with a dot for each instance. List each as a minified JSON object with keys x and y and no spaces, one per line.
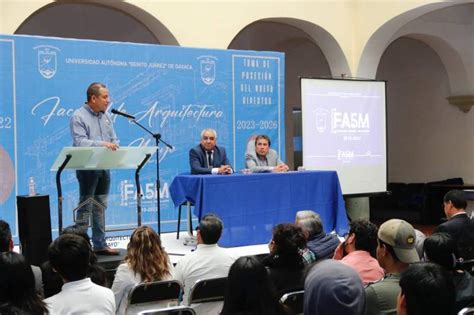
{"x":345,"y":78}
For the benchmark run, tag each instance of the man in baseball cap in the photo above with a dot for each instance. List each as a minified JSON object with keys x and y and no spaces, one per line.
{"x":395,"y":252}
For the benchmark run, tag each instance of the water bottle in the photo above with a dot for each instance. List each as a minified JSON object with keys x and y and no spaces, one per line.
{"x":31,"y":187}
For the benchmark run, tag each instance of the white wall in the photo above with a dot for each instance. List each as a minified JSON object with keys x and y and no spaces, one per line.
{"x":428,"y":139}
{"x":213,"y":24}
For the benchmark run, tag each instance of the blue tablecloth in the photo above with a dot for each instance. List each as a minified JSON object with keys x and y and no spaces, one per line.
{"x":251,"y":204}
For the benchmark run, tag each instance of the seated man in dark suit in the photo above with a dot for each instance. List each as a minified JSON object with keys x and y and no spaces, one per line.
{"x":207,"y":157}
{"x":459,"y":225}
{"x":259,"y":158}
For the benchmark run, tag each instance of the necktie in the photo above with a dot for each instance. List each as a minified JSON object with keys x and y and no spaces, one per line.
{"x":209,"y":159}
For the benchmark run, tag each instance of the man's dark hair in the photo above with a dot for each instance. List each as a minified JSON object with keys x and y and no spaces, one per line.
{"x":365,"y":235}
{"x":457,"y":198}
{"x":389,"y":249}
{"x":69,"y":255}
{"x":428,"y":289}
{"x":5,"y":236}
{"x":441,"y":249}
{"x":263,"y":137}
{"x":210,"y":228}
{"x":94,"y":89}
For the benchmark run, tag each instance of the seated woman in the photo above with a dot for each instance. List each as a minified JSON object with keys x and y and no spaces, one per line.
{"x":146,"y":261}
{"x":285,"y":262}
{"x":52,"y":281}
{"x":249,"y":290}
{"x":17,"y":286}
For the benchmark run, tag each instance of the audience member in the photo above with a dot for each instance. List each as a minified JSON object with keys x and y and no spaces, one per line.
{"x":146,"y":261}
{"x":459,"y":225}
{"x":206,"y":262}
{"x":52,"y":280}
{"x":249,"y":290}
{"x":440,"y":248}
{"x":333,"y":288}
{"x":69,"y":255}
{"x":285,"y":263}
{"x":305,"y":214}
{"x":420,"y":240}
{"x":17,"y":286}
{"x":395,"y":251}
{"x":426,"y":288}
{"x":207,"y":157}
{"x":357,"y":250}
{"x":6,"y":245}
{"x":321,"y":244}
{"x":259,"y":158}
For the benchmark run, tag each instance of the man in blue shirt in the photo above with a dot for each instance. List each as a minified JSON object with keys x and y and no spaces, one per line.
{"x":91,"y":126}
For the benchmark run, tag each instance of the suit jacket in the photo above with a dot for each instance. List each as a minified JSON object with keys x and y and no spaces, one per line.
{"x":198,"y":159}
{"x":256,"y":165}
{"x":461,"y":228}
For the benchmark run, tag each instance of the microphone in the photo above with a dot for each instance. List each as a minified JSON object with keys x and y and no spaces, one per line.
{"x":116,"y":112}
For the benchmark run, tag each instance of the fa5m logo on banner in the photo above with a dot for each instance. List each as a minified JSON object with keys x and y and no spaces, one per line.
{"x":208,"y":69}
{"x":47,"y":60}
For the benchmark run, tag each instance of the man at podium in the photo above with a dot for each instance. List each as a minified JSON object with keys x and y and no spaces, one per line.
{"x":91,"y":126}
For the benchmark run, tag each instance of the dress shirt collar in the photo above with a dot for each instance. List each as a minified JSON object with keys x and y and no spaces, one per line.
{"x":79,"y":284}
{"x":89,"y":109}
{"x":206,"y":246}
{"x":459,"y":214}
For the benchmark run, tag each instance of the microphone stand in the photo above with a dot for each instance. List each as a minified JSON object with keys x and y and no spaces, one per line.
{"x":158,"y":139}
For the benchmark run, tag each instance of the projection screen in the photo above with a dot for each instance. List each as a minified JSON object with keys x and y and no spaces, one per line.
{"x":344,"y":129}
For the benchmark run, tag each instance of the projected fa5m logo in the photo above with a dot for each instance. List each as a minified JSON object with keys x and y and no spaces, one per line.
{"x":342,"y":122}
{"x":208,"y":69}
{"x":349,"y":122}
{"x":47,"y":60}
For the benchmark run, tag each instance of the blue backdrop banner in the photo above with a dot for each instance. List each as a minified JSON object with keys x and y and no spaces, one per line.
{"x":173,"y":91}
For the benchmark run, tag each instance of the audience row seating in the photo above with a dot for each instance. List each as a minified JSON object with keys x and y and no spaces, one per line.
{"x":162,"y":297}
{"x":294,"y":301}
{"x":178,"y":310}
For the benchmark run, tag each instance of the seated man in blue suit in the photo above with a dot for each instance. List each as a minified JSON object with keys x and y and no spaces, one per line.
{"x":207,"y":158}
{"x":260,"y":158}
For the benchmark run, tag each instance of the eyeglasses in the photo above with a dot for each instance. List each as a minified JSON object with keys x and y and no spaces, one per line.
{"x":209,"y":138}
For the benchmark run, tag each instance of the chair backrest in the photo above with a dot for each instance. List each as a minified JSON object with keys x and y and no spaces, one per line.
{"x":155,"y":292}
{"x":468,"y":265}
{"x":207,"y":290}
{"x":177,"y":310}
{"x":294,"y":301}
{"x":467,"y":311}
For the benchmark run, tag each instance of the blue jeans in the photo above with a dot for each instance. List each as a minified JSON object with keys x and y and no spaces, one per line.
{"x":93,"y":185}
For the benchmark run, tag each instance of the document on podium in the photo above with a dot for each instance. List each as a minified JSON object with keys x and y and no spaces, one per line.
{"x":95,"y":158}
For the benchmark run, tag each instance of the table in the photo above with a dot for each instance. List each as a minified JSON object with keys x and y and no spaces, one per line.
{"x":250,"y":205}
